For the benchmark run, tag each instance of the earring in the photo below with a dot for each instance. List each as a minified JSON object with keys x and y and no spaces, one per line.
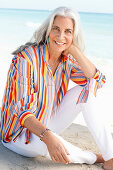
{"x":48,"y":40}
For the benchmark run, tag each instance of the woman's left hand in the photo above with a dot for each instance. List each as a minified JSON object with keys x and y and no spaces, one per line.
{"x":73,"y":50}
{"x":86,"y":65}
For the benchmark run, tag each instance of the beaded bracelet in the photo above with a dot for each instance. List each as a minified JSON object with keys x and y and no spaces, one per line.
{"x":43,"y":132}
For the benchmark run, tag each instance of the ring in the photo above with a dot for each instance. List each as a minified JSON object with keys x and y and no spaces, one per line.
{"x":54,"y":159}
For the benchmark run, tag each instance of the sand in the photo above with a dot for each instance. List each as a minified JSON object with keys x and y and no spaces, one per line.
{"x":76,"y":134}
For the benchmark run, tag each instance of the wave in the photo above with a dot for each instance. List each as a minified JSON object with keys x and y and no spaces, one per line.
{"x":33,"y":24}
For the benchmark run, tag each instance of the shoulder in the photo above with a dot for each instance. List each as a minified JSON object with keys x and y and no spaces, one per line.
{"x":32,"y":54}
{"x":27,"y":54}
{"x":33,"y":51}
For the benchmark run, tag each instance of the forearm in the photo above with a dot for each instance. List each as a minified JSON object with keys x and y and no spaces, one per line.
{"x":36,"y":127}
{"x":86,"y":65}
{"x":54,"y":145}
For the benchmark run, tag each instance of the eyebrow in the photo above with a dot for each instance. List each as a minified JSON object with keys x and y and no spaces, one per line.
{"x":59,"y":27}
{"x":69,"y":29}
{"x":55,"y":26}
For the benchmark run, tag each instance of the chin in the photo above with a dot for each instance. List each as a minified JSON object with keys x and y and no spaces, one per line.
{"x":60,"y":48}
{"x":60,"y":51}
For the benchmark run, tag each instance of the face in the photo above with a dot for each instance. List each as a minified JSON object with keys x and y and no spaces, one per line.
{"x":61,"y":34}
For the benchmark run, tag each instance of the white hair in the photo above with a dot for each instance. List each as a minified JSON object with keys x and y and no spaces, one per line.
{"x":42,"y":33}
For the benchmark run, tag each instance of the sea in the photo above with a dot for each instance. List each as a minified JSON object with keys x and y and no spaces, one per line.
{"x":18,"y":25}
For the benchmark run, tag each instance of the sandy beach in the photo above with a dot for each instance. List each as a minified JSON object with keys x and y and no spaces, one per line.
{"x":76,"y":134}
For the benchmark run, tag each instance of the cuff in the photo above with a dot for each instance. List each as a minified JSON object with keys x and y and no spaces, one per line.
{"x":24,"y":115}
{"x":99,"y":77}
{"x":100,"y":81}
{"x":92,"y":86}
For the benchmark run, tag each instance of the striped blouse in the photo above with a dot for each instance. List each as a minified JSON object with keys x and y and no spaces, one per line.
{"x":32,"y":89}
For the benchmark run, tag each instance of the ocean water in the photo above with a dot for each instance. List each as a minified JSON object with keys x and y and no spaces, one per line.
{"x":17,"y":27}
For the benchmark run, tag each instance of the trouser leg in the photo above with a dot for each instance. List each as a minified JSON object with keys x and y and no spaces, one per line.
{"x":63,"y":118}
{"x":94,"y":114}
{"x":95,"y":117}
{"x":66,"y":112}
{"x":77,"y":155}
{"x":37,"y":147}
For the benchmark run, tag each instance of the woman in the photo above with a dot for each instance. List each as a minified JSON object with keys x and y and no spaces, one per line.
{"x":37,"y":106}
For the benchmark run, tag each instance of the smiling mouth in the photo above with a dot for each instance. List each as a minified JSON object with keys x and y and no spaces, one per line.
{"x":59,"y":43}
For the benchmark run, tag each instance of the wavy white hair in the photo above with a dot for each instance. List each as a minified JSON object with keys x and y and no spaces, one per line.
{"x":42,"y":33}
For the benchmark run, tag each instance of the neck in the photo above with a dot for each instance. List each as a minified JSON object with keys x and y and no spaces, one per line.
{"x":54,"y":55}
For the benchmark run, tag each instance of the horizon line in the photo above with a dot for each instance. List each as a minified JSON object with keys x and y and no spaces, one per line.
{"x":52,"y":10}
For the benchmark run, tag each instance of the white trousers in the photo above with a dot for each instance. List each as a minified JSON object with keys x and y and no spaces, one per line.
{"x":62,"y":118}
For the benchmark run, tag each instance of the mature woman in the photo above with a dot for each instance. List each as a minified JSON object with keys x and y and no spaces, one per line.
{"x":37,"y":106}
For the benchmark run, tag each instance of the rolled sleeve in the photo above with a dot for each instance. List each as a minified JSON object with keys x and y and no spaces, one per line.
{"x":100,"y":79}
{"x":25,"y":97}
{"x":23,"y":116}
{"x":26,"y":107}
{"x":88,"y":84}
{"x":77,"y":76}
{"x":92,"y":85}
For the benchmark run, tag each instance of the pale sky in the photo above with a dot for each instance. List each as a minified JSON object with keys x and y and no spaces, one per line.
{"x":103,"y":6}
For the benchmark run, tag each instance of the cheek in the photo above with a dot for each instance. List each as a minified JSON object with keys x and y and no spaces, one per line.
{"x":70,"y":40}
{"x":52,"y":35}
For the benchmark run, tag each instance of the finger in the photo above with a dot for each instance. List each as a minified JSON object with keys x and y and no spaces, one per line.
{"x":53,"y":159}
{"x":61,"y":159}
{"x":65,"y":157}
{"x":56,"y":158}
{"x":66,"y":151}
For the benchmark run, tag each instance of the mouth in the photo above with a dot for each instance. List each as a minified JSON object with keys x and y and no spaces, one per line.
{"x":59,"y":43}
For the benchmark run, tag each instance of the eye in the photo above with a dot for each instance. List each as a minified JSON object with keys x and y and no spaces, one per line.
{"x":69,"y":31}
{"x":55,"y":28}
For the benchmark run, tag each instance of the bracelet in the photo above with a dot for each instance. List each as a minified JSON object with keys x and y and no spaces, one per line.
{"x":43,"y":132}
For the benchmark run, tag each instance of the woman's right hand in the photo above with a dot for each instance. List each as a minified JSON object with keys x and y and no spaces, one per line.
{"x":56,"y":148}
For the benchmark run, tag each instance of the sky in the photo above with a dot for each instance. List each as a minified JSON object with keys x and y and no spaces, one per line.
{"x":99,"y":6}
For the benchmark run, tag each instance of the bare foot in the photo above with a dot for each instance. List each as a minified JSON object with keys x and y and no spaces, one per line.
{"x":108,"y":165}
{"x":99,"y":159}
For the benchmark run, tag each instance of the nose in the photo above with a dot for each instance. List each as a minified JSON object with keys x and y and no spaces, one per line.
{"x":61,"y":34}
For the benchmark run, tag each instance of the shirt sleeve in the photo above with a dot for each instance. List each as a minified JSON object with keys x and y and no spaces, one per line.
{"x":25,"y":97}
{"x":89,"y":84}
